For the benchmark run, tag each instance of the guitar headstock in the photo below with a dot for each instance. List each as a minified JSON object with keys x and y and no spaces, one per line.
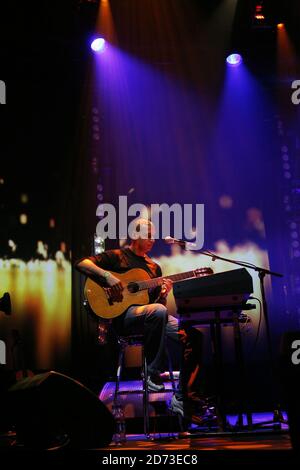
{"x":203,"y":272}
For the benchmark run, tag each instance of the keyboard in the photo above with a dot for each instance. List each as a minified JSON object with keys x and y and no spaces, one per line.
{"x":226,"y":289}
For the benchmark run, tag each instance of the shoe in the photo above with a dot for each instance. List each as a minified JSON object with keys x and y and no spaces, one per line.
{"x":176,"y":406}
{"x":155,"y":384}
{"x":194,"y":406}
{"x":207,"y":420}
{"x":204,"y":416}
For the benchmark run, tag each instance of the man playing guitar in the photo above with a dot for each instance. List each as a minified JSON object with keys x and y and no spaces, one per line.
{"x":151,"y":319}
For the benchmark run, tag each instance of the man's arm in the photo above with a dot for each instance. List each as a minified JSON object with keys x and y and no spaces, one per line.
{"x":89,"y":268}
{"x":86,"y":266}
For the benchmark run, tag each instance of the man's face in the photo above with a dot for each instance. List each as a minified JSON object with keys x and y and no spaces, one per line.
{"x":146,"y":241}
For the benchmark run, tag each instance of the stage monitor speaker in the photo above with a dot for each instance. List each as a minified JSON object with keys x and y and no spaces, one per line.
{"x":290,"y":382}
{"x":50,"y":409}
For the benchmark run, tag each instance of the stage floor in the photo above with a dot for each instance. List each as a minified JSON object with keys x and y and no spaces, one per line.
{"x":225,"y":449}
{"x":262,"y":438}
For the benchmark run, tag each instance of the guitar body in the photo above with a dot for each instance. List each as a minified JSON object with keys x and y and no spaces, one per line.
{"x":100,"y":303}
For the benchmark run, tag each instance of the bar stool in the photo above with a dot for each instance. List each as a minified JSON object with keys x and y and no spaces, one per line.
{"x":124,"y":342}
{"x":138,"y":340}
{"x":104,"y":326}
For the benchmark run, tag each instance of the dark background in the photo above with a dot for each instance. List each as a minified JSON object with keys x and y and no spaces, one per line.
{"x":180,"y":130}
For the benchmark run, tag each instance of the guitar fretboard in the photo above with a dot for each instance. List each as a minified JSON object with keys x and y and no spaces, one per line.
{"x":158,"y":281}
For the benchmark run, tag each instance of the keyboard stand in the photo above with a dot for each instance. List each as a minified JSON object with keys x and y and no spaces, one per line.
{"x":215,"y":322}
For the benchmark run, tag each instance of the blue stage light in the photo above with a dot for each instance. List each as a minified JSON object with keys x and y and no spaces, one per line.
{"x":234,"y":59}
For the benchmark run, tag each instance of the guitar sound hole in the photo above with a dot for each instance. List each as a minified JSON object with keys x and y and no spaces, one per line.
{"x":133,"y":287}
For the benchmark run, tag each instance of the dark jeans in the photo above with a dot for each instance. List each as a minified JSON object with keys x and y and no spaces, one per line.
{"x":154,"y":322}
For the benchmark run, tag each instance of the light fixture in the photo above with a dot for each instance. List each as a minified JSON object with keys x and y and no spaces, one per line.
{"x":98,"y":45}
{"x":234,"y":59}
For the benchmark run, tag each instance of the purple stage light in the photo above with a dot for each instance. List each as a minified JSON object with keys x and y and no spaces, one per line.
{"x":234,"y":59}
{"x":98,"y":45}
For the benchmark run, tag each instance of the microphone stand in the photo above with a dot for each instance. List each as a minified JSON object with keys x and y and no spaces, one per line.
{"x":262,"y":272}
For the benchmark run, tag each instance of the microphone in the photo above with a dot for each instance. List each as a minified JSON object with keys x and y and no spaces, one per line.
{"x":175,"y":241}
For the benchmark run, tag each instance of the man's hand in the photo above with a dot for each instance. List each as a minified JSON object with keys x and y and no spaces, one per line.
{"x":166,"y":287}
{"x":115,"y":288}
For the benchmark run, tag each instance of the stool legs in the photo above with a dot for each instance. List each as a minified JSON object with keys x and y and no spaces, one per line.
{"x":144,"y":392}
{"x":119,"y":371}
{"x":145,"y":395}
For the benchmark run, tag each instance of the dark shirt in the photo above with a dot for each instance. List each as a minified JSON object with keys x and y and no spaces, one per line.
{"x":124,"y":259}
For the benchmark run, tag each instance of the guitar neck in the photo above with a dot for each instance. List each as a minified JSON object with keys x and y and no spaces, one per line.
{"x":152,"y":283}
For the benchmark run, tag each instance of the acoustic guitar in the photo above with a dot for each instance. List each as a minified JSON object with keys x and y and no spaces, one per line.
{"x":136,"y":283}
